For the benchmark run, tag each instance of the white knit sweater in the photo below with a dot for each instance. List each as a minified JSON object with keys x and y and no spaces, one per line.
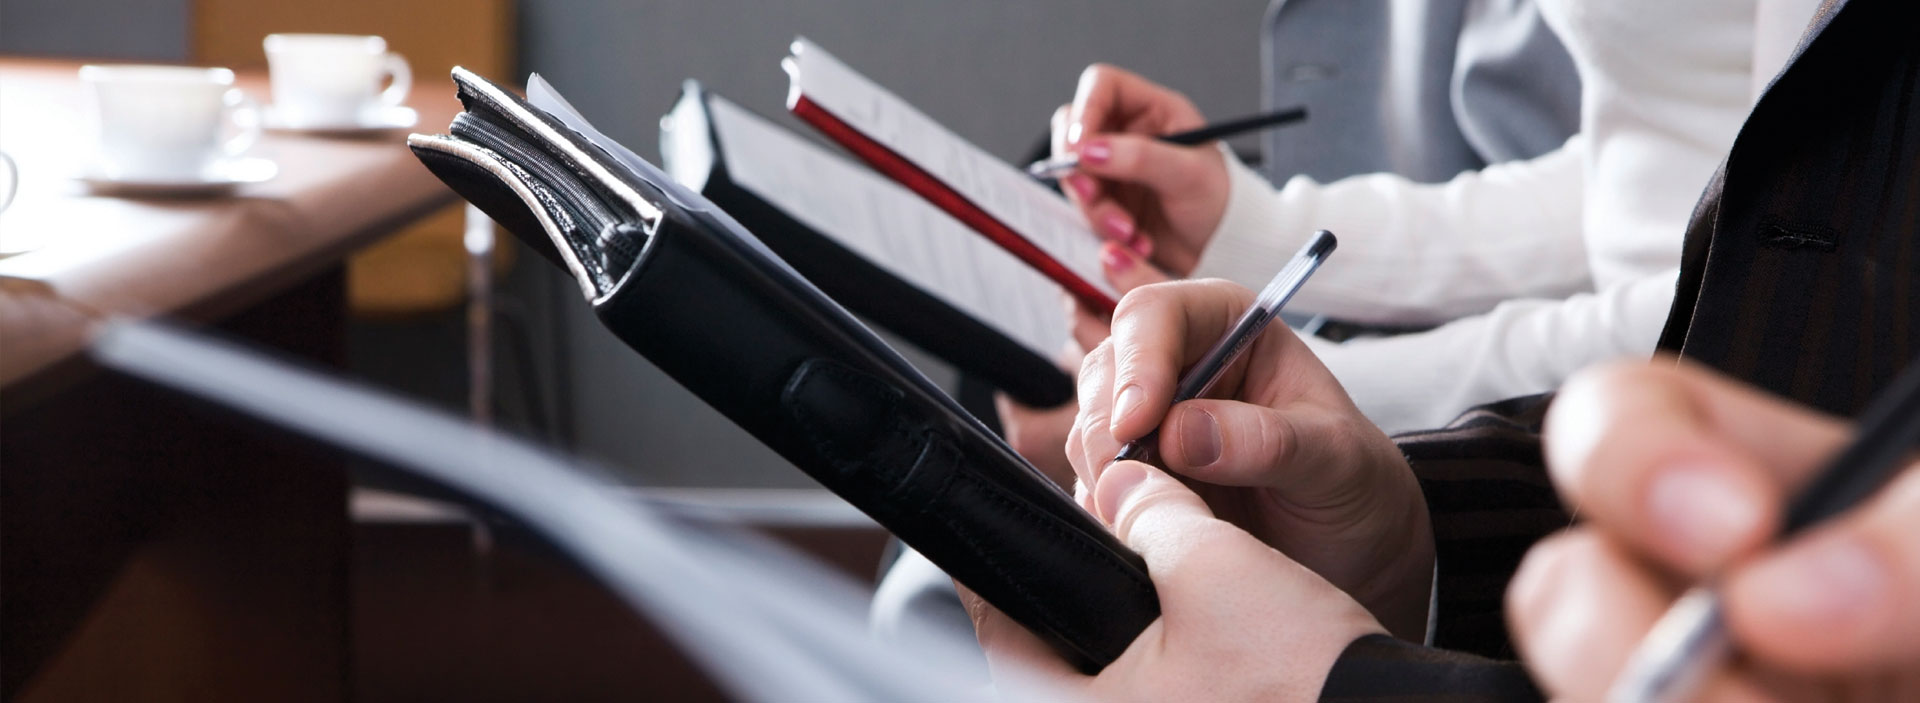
{"x":1532,"y":269}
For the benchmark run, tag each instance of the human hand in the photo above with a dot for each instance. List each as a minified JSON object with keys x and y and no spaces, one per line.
{"x":1277,"y":448}
{"x":1238,"y":620}
{"x":1040,"y":434}
{"x":1161,"y":200}
{"x":1680,"y":474}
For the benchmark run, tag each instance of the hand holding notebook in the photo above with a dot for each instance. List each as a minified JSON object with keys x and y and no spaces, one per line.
{"x":690,"y":289}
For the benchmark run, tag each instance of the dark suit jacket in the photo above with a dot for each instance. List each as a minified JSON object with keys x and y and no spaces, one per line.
{"x":1801,"y":274}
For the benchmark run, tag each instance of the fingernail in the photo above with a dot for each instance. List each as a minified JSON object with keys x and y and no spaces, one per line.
{"x":1200,"y":438}
{"x":1704,"y":509}
{"x":1835,"y":580}
{"x":1142,"y":246}
{"x":1118,"y":227}
{"x":1115,"y":258}
{"x":1113,"y":487}
{"x":1082,"y":186}
{"x":1537,"y":579}
{"x":1128,"y":402}
{"x":1097,"y":151}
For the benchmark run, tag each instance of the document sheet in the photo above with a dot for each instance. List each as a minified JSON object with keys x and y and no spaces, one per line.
{"x":881,"y":221}
{"x":1005,"y":193}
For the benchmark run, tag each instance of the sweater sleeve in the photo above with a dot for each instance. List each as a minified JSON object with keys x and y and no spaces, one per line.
{"x":1413,"y":253}
{"x":1521,"y":347}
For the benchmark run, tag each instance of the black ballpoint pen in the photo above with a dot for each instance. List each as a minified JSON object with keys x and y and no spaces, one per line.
{"x":1690,"y":640}
{"x":1054,"y":167}
{"x":1199,"y":379}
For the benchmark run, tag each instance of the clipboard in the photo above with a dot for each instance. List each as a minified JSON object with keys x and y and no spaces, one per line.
{"x":995,"y":199}
{"x":690,"y":289}
{"x":873,"y":246}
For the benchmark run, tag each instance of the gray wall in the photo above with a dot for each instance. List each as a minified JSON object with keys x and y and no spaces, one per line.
{"x":991,"y":70}
{"x":141,"y":30}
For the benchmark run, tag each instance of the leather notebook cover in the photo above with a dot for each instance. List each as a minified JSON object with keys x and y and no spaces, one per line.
{"x":705,"y":301}
{"x":872,"y":245}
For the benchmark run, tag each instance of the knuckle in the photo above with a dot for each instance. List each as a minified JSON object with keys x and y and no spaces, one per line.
{"x":1093,"y":367}
{"x":1128,"y":364}
{"x":1143,"y":298}
{"x":1611,"y":377}
{"x":1092,"y":418}
{"x":1219,"y":287}
{"x":1277,"y":438}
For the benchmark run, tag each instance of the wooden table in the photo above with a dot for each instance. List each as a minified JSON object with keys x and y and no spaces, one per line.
{"x":201,"y":257}
{"x":153,"y":548}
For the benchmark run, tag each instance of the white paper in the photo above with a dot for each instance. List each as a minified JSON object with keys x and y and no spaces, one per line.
{"x":884,"y":223}
{"x":1002,"y":191}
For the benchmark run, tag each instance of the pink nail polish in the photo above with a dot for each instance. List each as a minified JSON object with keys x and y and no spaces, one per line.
{"x":1141,"y":245}
{"x":1097,"y":151}
{"x":1119,"y":227}
{"x":1082,"y":186}
{"x":1115,"y":258}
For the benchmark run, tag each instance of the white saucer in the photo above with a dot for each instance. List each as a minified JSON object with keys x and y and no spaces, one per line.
{"x":375,"y":120}
{"x":217,"y":177}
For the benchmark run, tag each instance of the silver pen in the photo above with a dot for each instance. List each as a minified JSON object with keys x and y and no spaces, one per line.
{"x":1205,"y":372}
{"x":1059,"y":165}
{"x":1690,"y":641}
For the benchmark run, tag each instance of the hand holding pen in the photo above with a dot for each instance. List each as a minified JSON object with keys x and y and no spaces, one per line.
{"x":1212,"y":365}
{"x":1161,"y":200}
{"x":1276,"y":447}
{"x":1063,"y":164}
{"x":1804,"y":530}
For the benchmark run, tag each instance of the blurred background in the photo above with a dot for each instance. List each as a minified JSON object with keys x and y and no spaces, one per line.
{"x":441,"y":603}
{"x":991,"y":71}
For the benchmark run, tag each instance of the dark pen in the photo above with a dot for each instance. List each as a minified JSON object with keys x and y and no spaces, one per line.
{"x":1059,"y":165}
{"x":1206,"y":372}
{"x":1690,"y":640}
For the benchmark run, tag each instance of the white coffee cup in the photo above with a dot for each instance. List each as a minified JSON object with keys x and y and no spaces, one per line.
{"x":333,"y":79}
{"x":168,"y":122}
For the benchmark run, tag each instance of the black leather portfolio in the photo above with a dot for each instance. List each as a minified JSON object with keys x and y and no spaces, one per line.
{"x":875,"y":247}
{"x":704,"y":300}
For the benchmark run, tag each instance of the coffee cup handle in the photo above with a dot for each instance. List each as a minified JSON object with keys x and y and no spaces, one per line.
{"x":13,"y":180}
{"x":402,"y":74}
{"x":243,"y":113}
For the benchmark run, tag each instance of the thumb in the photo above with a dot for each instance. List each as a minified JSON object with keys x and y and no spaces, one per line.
{"x":1145,"y":160}
{"x":1126,"y":270}
{"x":1150,"y":511}
{"x":1298,"y":449}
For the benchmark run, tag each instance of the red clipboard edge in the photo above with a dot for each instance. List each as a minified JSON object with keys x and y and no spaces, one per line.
{"x":898,"y":168}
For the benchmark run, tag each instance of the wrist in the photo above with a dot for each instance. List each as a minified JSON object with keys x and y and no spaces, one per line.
{"x":1399,"y":592}
{"x":1252,"y":236}
{"x":1373,"y":539}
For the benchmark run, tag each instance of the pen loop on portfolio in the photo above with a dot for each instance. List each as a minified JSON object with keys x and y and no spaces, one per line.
{"x":1207,"y":371}
{"x":1690,"y":641}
